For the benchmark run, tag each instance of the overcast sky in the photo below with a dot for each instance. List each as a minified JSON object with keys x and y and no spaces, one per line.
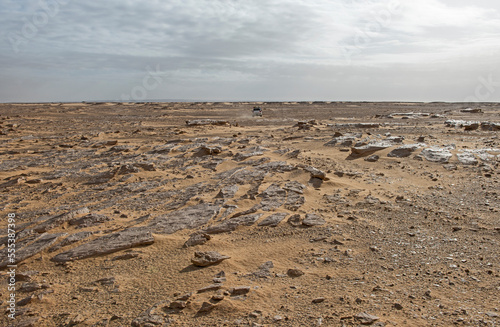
{"x":238,"y":50}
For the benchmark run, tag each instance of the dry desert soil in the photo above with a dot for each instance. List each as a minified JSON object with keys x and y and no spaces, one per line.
{"x":198,"y":214}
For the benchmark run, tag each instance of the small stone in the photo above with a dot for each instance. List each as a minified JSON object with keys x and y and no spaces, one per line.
{"x":213,"y":287}
{"x":294,"y":273}
{"x":294,"y":220}
{"x":372,"y":158}
{"x":197,"y":239}
{"x":30,"y":287}
{"x":365,"y":318}
{"x":218,"y":297}
{"x":313,"y":220}
{"x":241,"y":290}
{"x":126,"y":256}
{"x":398,"y":306}
{"x":177,"y":305}
{"x":204,"y":259}
{"x":184,"y":297}
{"x":25,"y":301}
{"x":106,"y":281}
{"x":318,"y":300}
{"x":88,"y":289}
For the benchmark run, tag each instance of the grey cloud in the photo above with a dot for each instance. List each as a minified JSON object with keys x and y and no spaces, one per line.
{"x":231,"y":49}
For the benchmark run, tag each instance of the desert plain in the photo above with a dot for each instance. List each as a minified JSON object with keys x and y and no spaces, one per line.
{"x":198,"y":214}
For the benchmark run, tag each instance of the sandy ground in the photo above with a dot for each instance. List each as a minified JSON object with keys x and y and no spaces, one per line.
{"x":399,"y":241}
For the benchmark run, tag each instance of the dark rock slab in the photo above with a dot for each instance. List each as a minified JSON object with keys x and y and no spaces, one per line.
{"x":233,"y":223}
{"x":204,"y":259}
{"x":126,"y":239}
{"x":55,"y":221}
{"x":89,"y":220}
{"x":186,"y":218}
{"x":274,"y":219}
{"x":240,"y":290}
{"x":70,"y":240}
{"x":244,"y":156}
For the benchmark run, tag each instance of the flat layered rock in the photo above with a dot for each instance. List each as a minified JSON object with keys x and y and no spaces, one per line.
{"x":346,"y":140}
{"x":70,"y":240}
{"x":186,"y":218}
{"x":273,"y":197}
{"x":467,"y":158}
{"x":204,"y":122}
{"x":370,"y":148}
{"x":442,"y":155}
{"x":126,"y":239}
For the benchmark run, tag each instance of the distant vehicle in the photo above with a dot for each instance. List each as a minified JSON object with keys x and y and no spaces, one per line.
{"x":257,"y":111}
